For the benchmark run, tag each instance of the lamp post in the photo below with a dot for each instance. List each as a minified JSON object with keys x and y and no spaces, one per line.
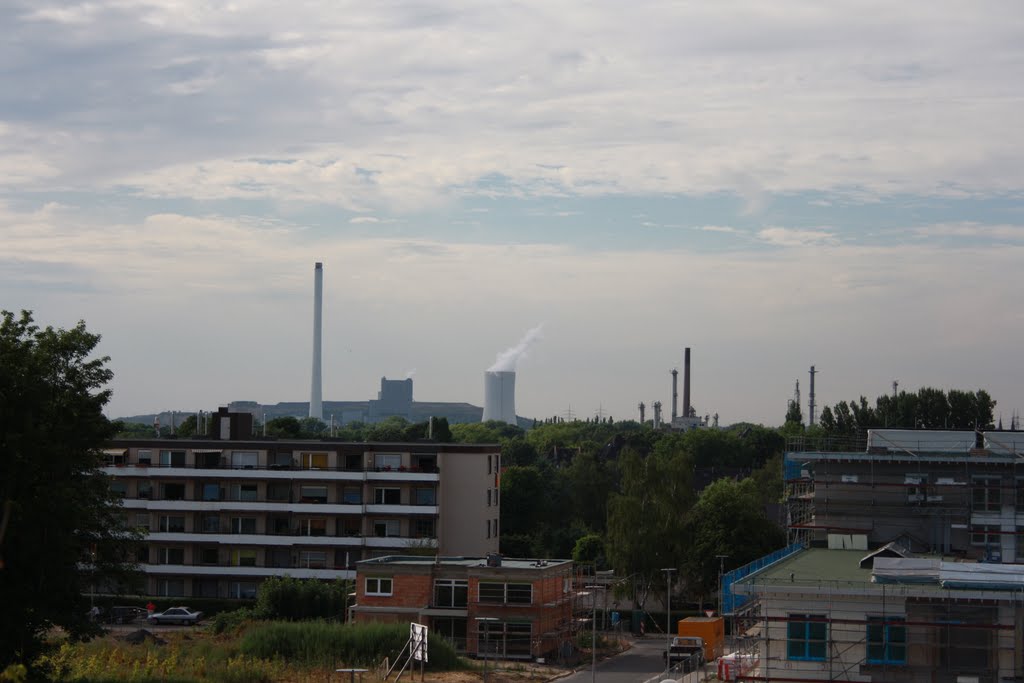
{"x":480,"y":621}
{"x":668,"y":616}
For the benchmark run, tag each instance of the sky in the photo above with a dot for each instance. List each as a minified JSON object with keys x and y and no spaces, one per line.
{"x":775,"y":185}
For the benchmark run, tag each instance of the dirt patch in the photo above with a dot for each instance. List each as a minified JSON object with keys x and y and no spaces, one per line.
{"x":140,"y":636}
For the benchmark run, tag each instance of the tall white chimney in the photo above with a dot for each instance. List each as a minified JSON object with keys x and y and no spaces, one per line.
{"x":500,"y":396}
{"x":316,"y":404}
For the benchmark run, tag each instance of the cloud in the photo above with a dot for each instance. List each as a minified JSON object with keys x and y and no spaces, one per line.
{"x":967,"y":229}
{"x":435,"y":101}
{"x":364,"y":219}
{"x":790,"y":237}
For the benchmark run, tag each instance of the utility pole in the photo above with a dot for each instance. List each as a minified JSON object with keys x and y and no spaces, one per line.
{"x":668,"y":616}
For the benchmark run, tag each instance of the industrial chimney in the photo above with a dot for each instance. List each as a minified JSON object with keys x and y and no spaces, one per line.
{"x":316,"y":406}
{"x":500,"y":396}
{"x":686,"y":382}
{"x":675,"y":392}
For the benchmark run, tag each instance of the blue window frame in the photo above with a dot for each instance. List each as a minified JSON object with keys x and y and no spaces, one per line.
{"x":887,"y":640}
{"x":806,"y":637}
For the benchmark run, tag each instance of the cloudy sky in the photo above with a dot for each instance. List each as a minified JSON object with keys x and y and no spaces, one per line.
{"x":772,"y":184}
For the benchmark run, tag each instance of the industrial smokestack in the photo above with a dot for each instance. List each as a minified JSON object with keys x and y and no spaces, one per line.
{"x":686,"y":382}
{"x":675,"y":391}
{"x":316,"y":405}
{"x":500,"y":396}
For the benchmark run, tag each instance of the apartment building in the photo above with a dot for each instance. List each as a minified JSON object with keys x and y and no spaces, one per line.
{"x":221,"y":514}
{"x":506,"y":608}
{"x":950,"y":492}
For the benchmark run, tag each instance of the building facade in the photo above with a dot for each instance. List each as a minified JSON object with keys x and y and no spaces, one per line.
{"x":843,"y":615}
{"x":955,"y":493}
{"x":221,"y":514}
{"x":506,"y":608}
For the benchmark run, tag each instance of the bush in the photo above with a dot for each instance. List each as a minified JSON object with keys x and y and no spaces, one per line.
{"x":326,"y":645}
{"x":291,"y":599}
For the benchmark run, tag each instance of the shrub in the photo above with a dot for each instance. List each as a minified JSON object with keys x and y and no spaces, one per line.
{"x":324,"y":644}
{"x":285,"y":597}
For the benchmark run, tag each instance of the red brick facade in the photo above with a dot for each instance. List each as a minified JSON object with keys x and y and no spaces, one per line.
{"x":523,"y":612}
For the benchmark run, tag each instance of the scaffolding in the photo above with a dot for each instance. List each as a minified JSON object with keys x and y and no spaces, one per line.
{"x":823,"y":630}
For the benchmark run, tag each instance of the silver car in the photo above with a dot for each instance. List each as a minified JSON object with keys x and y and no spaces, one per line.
{"x":175,"y":615}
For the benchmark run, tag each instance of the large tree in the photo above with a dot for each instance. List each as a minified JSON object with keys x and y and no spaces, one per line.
{"x":62,"y":531}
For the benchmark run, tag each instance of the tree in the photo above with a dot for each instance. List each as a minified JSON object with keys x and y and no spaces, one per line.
{"x":589,"y":549}
{"x":285,"y":427}
{"x":794,"y":416}
{"x":728,"y":519}
{"x":62,"y":530}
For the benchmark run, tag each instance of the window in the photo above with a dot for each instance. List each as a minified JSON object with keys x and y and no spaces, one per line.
{"x":244,"y":590}
{"x":1020,"y":495}
{"x":245,"y":492}
{"x":142,"y":521}
{"x":806,"y":637}
{"x":244,"y":460}
{"x":488,"y":528}
{"x":495,"y":528}
{"x":279,"y":491}
{"x":119,"y":488}
{"x":495,"y":496}
{"x":313,"y":527}
{"x":145,"y":457}
{"x":313,"y":559}
{"x":488,"y":498}
{"x":503,"y":639}
{"x":376,"y":585}
{"x":173,"y":491}
{"x":488,"y":464}
{"x":502,"y":593}
{"x":887,"y":640}
{"x":281,"y":460}
{"x":985,"y":534}
{"x":985,"y":494}
{"x":423,"y":528}
{"x":351,"y":526}
{"x":208,"y":556}
{"x":118,"y":458}
{"x":387,"y":461}
{"x":171,"y":588}
{"x":210,"y":524}
{"x":352,"y":495}
{"x":172,"y":458}
{"x":313,"y":494}
{"x":451,"y":593}
{"x":212,"y":492}
{"x":387,"y":527}
{"x":313,"y":461}
{"x":243,"y":525}
{"x":172,"y":523}
{"x":145,"y":490}
{"x":387,"y":496}
{"x":425,"y":496}
{"x":280,"y":558}
{"x":208,"y":459}
{"x":243,"y":558}
{"x":171,"y":556}
{"x":278,"y":526}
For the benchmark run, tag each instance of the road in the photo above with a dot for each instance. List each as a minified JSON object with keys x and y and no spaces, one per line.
{"x":635,"y":665}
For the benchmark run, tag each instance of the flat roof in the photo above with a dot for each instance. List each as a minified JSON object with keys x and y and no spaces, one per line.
{"x":425,"y":560}
{"x":816,"y":564}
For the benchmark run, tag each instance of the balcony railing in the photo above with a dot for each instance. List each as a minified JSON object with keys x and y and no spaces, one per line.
{"x":431,"y":469}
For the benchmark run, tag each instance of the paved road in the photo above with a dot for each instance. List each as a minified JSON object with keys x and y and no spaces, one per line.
{"x":635,"y":665}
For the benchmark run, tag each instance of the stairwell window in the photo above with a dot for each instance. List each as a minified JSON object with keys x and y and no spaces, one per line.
{"x":376,"y":585}
{"x":806,"y":637}
{"x":986,"y":494}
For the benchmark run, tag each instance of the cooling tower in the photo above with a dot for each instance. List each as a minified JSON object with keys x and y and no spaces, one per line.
{"x":500,"y":396}
{"x":316,"y":406}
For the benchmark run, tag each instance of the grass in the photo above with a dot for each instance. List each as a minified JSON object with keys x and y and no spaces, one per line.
{"x":260,"y":652}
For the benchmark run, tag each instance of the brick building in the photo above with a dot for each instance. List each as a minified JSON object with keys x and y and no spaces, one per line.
{"x":508,"y":608}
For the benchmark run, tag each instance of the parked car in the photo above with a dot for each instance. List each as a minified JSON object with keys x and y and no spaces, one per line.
{"x":122,"y":614}
{"x":175,"y":615}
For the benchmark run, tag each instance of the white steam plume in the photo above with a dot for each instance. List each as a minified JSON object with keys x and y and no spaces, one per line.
{"x":409,"y":375}
{"x":509,"y":358}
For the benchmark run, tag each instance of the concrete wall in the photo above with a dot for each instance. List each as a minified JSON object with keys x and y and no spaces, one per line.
{"x":466,"y":479}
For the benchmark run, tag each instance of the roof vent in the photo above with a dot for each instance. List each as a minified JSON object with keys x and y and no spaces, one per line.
{"x":493,"y":560}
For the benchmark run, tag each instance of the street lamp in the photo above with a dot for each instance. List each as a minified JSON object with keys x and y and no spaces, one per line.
{"x":487,"y":639}
{"x":668,"y":616}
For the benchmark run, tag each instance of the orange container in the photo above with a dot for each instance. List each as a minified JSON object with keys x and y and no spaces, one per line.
{"x":711,"y":629}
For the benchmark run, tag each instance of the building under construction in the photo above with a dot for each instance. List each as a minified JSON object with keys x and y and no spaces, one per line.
{"x":902,"y":566}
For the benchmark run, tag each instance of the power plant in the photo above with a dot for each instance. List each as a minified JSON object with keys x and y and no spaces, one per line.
{"x":316,"y":405}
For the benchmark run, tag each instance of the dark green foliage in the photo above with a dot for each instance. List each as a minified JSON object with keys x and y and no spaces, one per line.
{"x":728,"y":519}
{"x":927,"y":408}
{"x":284,"y":597}
{"x":590,"y":550}
{"x":58,"y":516}
{"x":284,"y":427}
{"x":323,"y":644}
